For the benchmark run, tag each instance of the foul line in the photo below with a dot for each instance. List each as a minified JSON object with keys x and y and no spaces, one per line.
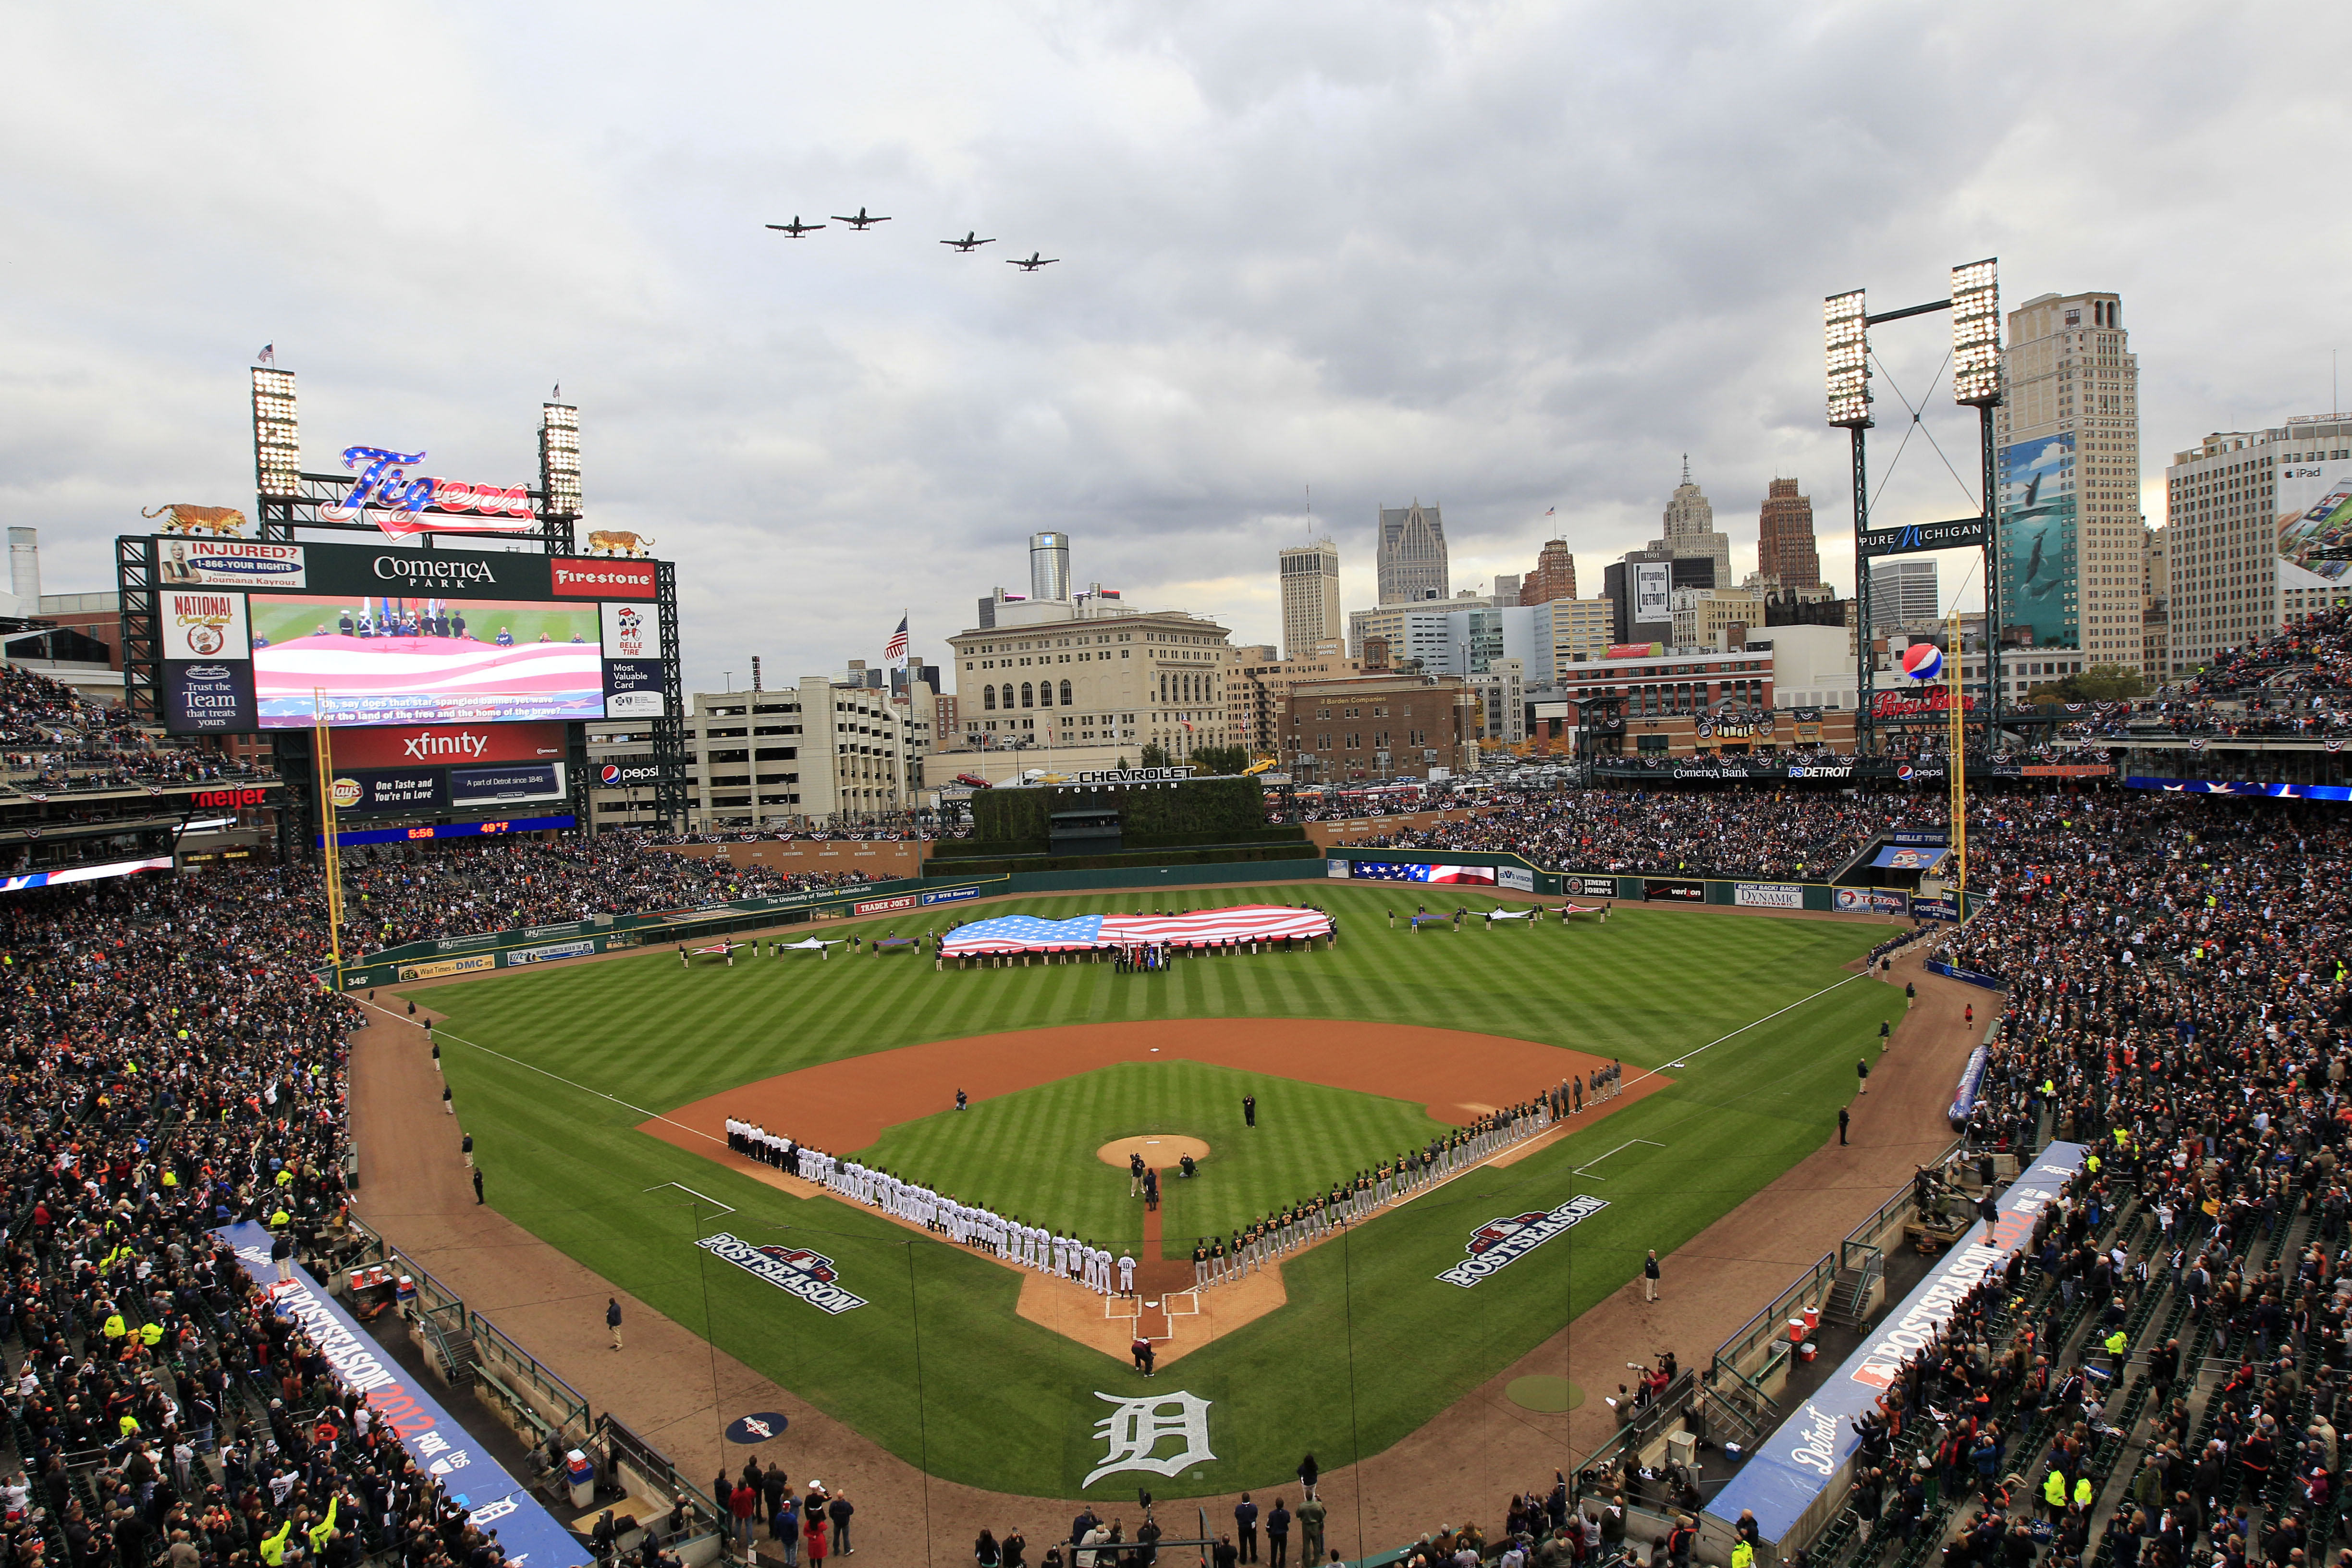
{"x":1683,"y":1058}
{"x":682,"y":1187}
{"x":1586,"y":1169}
{"x":641,"y":1110}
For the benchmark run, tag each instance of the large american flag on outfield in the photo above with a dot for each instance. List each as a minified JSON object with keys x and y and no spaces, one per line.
{"x":1193,"y":928}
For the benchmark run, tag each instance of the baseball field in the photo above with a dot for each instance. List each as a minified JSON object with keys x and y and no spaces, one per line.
{"x":592,"y":1089}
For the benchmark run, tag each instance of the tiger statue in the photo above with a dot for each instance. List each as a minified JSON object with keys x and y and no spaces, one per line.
{"x":224,"y":521}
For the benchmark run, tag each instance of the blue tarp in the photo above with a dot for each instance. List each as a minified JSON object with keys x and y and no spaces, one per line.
{"x":491,"y":1498}
{"x":1796,"y":1464}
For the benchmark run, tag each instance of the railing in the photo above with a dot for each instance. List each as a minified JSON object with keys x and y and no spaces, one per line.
{"x":551,"y":1399}
{"x":1642,"y":1426}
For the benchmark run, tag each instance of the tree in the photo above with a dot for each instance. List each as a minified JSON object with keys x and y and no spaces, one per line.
{"x":1122,"y":761}
{"x":1219,"y":759}
{"x":2105,"y":683}
{"x":1155,"y":755}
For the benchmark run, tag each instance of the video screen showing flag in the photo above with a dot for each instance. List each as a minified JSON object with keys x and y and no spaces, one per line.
{"x":421,"y":660}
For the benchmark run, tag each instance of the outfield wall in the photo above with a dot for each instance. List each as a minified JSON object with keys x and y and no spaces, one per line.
{"x":485,"y":952}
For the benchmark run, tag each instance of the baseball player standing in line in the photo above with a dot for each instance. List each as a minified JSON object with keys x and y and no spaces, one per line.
{"x":1125,"y":1274}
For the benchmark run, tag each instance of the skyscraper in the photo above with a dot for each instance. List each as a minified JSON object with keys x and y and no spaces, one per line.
{"x":1310,"y":597}
{"x":2248,"y":514}
{"x":1410,"y":559}
{"x":1554,"y":576}
{"x":1049,"y":565}
{"x":1903,"y":591}
{"x":2067,"y":438}
{"x":1690,"y":528}
{"x":1784,"y":537}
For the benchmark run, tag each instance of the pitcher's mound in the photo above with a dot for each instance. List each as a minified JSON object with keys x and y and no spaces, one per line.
{"x":1161,"y":1151}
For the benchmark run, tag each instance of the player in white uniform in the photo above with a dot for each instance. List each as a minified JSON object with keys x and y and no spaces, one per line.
{"x":1125,"y":1274}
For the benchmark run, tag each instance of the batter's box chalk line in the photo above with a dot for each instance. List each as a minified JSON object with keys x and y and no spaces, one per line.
{"x":1586,"y":1169}
{"x":1112,"y":1303}
{"x":682,"y":1187}
{"x":1191,"y":1298}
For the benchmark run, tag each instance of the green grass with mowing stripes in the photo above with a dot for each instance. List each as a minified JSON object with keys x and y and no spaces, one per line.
{"x":939,"y":1368}
{"x":1032,"y":1154}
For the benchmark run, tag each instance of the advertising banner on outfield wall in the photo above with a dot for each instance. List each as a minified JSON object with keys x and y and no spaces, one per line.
{"x":1519,"y":877}
{"x":473,"y":965}
{"x":1674,"y":890}
{"x":492,"y":1499}
{"x":1868,"y":901}
{"x":1768,"y":894}
{"x":1804,"y":1459}
{"x":1597,"y":887}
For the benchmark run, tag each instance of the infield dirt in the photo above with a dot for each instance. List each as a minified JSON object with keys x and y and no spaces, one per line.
{"x":672,"y":1388}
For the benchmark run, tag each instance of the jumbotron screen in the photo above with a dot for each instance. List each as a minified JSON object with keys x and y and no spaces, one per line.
{"x":265,"y":636}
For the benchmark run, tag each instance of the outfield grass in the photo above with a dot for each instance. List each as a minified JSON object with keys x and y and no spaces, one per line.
{"x":1371,"y":1345}
{"x":1032,"y":1154}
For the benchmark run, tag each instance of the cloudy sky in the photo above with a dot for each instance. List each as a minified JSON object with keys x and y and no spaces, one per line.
{"x":1502,"y":256}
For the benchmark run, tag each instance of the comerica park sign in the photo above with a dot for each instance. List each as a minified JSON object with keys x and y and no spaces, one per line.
{"x":1958,"y":533}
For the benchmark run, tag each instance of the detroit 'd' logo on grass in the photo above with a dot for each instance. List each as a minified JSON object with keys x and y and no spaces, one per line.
{"x":792,"y":1269}
{"x":1499,"y":1243}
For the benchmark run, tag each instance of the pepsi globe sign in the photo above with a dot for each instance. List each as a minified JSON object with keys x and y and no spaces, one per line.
{"x":1923,"y":662}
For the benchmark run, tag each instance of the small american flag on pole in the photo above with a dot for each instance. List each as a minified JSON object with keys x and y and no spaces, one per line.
{"x":897,"y":647}
{"x":268,"y":354}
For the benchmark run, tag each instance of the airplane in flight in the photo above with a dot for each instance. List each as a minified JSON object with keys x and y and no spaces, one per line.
{"x":861,"y":222}
{"x":968,"y":241}
{"x":1033,"y":261}
{"x":797,"y":227}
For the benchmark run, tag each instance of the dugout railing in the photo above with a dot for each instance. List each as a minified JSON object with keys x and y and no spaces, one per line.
{"x":535,"y":1401}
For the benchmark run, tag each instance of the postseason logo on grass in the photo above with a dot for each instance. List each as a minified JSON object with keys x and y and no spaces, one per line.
{"x":1499,"y":1243}
{"x":794,"y":1269}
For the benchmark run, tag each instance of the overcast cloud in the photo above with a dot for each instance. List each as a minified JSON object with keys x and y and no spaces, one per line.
{"x":1503,"y":257}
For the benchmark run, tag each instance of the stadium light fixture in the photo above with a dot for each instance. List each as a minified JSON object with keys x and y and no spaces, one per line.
{"x":1975,"y":333}
{"x":559,"y":459}
{"x":277,"y":434}
{"x":1845,"y":333}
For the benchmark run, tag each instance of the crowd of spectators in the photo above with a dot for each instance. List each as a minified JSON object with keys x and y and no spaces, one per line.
{"x":2178,"y":1001}
{"x":171,"y":1068}
{"x":1641,"y":832}
{"x":464,"y":887}
{"x":50,"y":739}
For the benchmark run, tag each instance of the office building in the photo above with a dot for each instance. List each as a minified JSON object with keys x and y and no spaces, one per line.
{"x":1377,"y":726}
{"x":1785,"y":550}
{"x":2067,"y":440}
{"x":1090,"y":672}
{"x":1411,"y":630}
{"x":1502,"y":693}
{"x":1257,"y":689}
{"x":1457,"y":636}
{"x":1690,"y":530}
{"x":1411,"y":561}
{"x":1582,"y":629}
{"x":1506,"y":588}
{"x":2249,"y":515}
{"x":1715,"y":620}
{"x":1310,"y":596}
{"x":821,"y":754}
{"x":1554,"y":577}
{"x":1640,"y":589}
{"x":2156,"y":610}
{"x":1902,"y":593}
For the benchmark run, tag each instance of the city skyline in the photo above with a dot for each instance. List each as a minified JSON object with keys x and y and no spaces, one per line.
{"x":1292,"y":253}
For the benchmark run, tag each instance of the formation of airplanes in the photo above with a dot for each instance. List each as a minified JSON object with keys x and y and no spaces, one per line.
{"x":863,"y":220}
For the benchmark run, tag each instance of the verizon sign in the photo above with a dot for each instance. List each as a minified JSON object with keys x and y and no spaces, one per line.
{"x":407,"y":745}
